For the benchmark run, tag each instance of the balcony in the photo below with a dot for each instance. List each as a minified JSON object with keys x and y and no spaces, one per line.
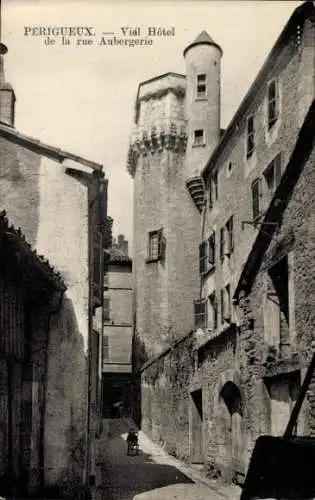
{"x":196,"y":190}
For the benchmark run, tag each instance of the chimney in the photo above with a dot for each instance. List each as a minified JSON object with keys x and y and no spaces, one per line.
{"x":121,"y":240}
{"x":7,"y":96}
{"x":122,"y":244}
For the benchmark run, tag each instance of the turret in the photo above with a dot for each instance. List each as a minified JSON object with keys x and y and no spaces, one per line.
{"x":202,"y":101}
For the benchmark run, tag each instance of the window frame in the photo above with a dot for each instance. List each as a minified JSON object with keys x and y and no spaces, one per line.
{"x":97,"y":268}
{"x":203,"y":257}
{"x":213,"y":189}
{"x":201,"y":94}
{"x":196,"y":142}
{"x":250,"y":136}
{"x":160,"y":252}
{"x":226,"y":315}
{"x":153,"y":250}
{"x":106,"y":309}
{"x":275,"y":166}
{"x":213,"y":306}
{"x":273,"y":103}
{"x":200,"y":313}
{"x":212,"y":249}
{"x":229,"y":236}
{"x":256,"y":212}
{"x":105,"y":348}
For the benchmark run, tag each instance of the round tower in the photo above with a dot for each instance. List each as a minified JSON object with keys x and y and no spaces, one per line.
{"x":203,"y":73}
{"x":166,"y":223}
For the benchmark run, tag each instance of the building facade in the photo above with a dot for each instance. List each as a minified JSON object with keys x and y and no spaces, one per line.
{"x":117,"y":332}
{"x":59,"y":200}
{"x":210,"y":380}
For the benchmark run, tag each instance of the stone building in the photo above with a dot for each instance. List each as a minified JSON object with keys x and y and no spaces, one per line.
{"x":59,"y":200}
{"x":117,"y":332}
{"x":30,"y":290}
{"x":200,"y":394}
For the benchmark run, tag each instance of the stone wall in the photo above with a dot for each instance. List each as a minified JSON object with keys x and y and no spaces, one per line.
{"x":52,"y":210}
{"x":295,"y":71}
{"x":161,"y":201}
{"x":165,"y":398}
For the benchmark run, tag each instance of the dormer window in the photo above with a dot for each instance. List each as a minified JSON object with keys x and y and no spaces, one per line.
{"x":273,"y":102}
{"x":199,"y":139}
{"x":201,"y":85}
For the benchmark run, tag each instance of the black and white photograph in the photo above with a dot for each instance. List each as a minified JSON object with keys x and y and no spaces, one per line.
{"x":157,"y":249}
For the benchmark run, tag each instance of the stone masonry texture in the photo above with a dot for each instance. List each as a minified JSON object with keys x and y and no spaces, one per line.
{"x":49,"y":207}
{"x":231,"y":360}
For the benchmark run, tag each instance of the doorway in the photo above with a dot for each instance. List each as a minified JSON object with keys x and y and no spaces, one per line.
{"x":196,"y":427}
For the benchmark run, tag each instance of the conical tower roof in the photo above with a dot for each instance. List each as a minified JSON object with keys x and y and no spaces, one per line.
{"x":203,"y":39}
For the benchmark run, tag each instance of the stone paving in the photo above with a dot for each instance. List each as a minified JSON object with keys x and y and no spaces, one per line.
{"x":152,"y":475}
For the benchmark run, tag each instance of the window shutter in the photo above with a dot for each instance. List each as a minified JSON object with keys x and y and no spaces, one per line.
{"x":106,"y":314}
{"x":215,"y":312}
{"x":231,"y":234}
{"x":227,"y":305}
{"x":203,"y":257}
{"x":277,"y":170}
{"x":200,"y":313}
{"x":161,"y":245}
{"x":256,"y":193}
{"x":211,"y":257}
{"x":215,"y":182}
{"x":250,"y":136}
{"x":210,"y":195}
{"x":222,"y":305}
{"x":273,"y":103}
{"x":97,"y":269}
{"x":105,"y":348}
{"x":222,"y":239}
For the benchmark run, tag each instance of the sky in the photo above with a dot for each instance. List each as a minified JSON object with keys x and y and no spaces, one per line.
{"x":81,"y":98}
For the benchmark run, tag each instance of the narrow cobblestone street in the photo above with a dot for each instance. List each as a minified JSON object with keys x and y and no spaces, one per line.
{"x":152,"y":475}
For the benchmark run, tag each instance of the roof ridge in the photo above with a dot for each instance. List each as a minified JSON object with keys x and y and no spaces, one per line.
{"x":61,"y":154}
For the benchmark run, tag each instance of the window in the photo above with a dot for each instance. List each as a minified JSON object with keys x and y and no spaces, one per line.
{"x":222,"y":238}
{"x":213,"y":312}
{"x":213,"y":189}
{"x":98,"y":269}
{"x":200,"y":313}
{"x":199,"y":137}
{"x":106,"y":314}
{"x":157,"y":246}
{"x":105,"y":348}
{"x":226,"y":305}
{"x":229,"y":237}
{"x":203,"y":257}
{"x":211,"y":255}
{"x":201,"y":85}
{"x":154,"y":245}
{"x":250,"y":137}
{"x":273,"y":103}
{"x":272,"y":176}
{"x":106,"y":281}
{"x":256,"y":198}
{"x":277,"y":318}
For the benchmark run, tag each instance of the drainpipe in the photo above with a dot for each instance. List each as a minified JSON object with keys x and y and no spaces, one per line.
{"x":53,"y":309}
{"x":90,"y":325}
